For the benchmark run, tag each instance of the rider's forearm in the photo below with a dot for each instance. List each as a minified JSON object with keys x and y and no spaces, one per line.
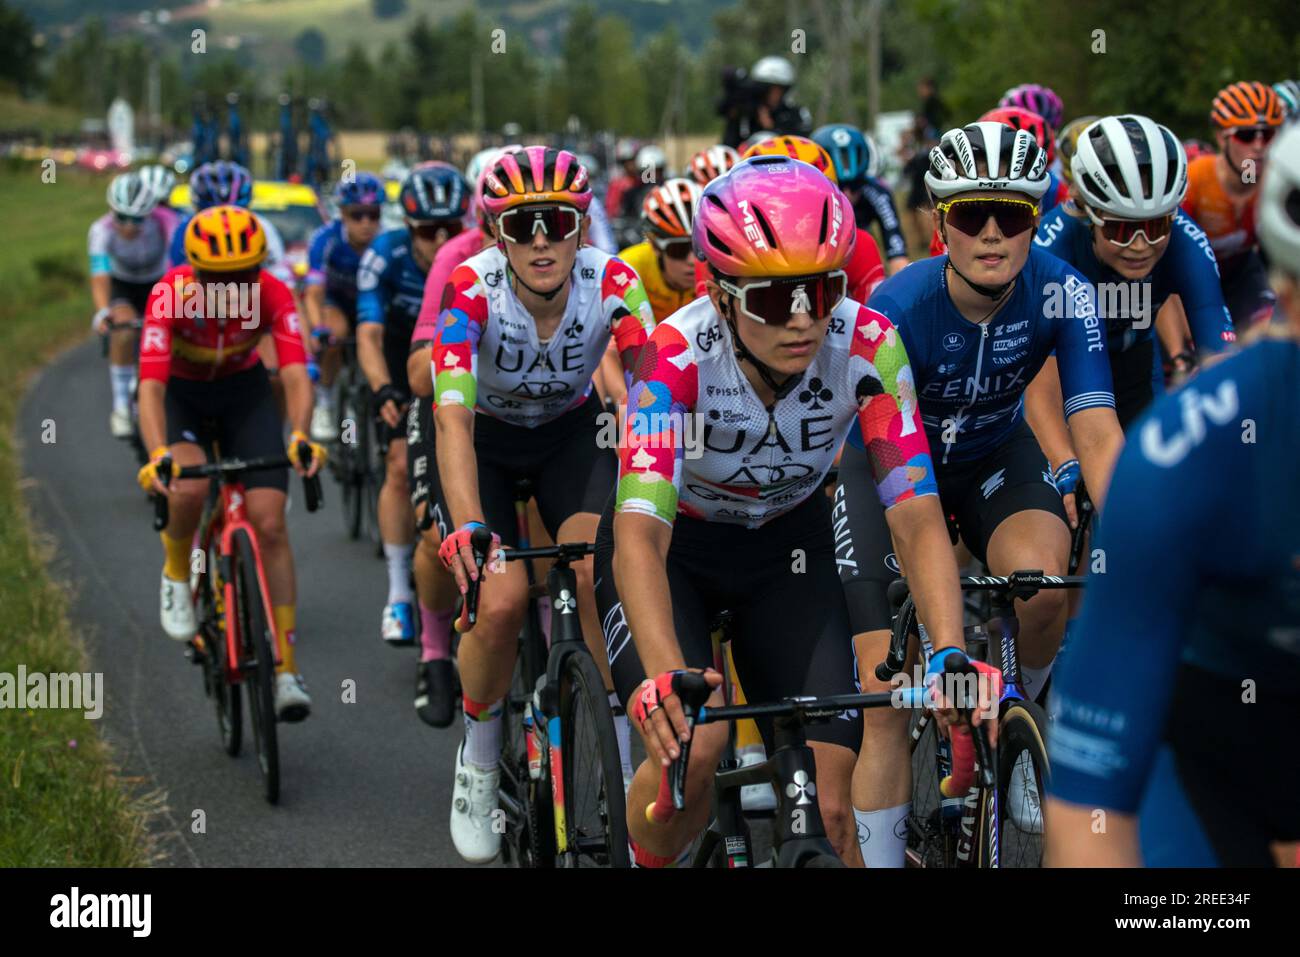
{"x":640,"y":568}
{"x":419,"y":372}
{"x":313,"y":301}
{"x":298,"y":396}
{"x":370,"y":354}
{"x":1044,"y":411}
{"x":457,"y":466}
{"x":925,"y":553}
{"x":100,"y":289}
{"x":1172,"y":327}
{"x":1073,"y":839}
{"x":1098,"y":438}
{"x":153,"y":415}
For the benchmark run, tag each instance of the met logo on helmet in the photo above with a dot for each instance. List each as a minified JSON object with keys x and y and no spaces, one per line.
{"x":752,"y":232}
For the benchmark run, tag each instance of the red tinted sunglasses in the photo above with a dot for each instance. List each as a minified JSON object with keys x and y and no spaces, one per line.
{"x":1249,"y":135}
{"x":435,"y":231}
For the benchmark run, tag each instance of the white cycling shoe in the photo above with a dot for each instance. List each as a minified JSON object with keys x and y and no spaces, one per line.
{"x":1023,"y":796}
{"x":177,"y":609}
{"x":473,"y":812}
{"x":292,"y":703}
{"x":120,"y":424}
{"x":324,"y":427}
{"x":756,"y":798}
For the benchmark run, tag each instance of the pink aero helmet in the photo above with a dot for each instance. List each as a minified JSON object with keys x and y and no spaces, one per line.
{"x":774,"y":216}
{"x":535,"y":174}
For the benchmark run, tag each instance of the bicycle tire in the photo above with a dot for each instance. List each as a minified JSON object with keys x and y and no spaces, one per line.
{"x":595,"y":812}
{"x":212,"y":627}
{"x":1021,"y":729}
{"x":529,"y":841}
{"x":349,"y":453}
{"x":256,"y":635}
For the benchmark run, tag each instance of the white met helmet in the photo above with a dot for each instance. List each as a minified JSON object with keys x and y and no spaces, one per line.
{"x":651,"y":157}
{"x":1129,"y":166}
{"x":776,"y":70}
{"x":159,"y":179}
{"x":987,"y":156}
{"x":1279,"y":203}
{"x":128,"y":195}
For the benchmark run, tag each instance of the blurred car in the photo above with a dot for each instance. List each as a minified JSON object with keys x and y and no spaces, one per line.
{"x":293,"y":208}
{"x":103,"y":159}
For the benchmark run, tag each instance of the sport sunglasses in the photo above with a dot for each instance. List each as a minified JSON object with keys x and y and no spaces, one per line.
{"x":672,"y":248}
{"x":358,"y":213}
{"x":969,"y":216}
{"x":126,"y":220}
{"x":1122,"y":232}
{"x":774,"y":301}
{"x":1252,"y":133}
{"x":438,"y":230}
{"x":520,"y":224}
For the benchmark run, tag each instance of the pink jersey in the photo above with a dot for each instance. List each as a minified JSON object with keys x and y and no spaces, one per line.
{"x":453,"y":252}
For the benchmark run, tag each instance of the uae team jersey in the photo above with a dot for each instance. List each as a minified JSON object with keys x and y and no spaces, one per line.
{"x":1231,"y":234}
{"x":487,"y":355}
{"x":184,"y":335}
{"x":141,"y":258}
{"x":698,"y":442}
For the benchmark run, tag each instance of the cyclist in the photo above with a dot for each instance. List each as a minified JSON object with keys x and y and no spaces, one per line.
{"x":1037,"y":99}
{"x":128,"y":253}
{"x":778,"y":363}
{"x":330,"y":300}
{"x":1222,"y":190}
{"x":224,"y":183}
{"x":625,"y":152}
{"x":524,"y":327}
{"x":1129,"y":238}
{"x":1067,"y":141}
{"x":710,"y":163}
{"x":434,"y":199}
{"x":1175,"y":629}
{"x":857,"y":169}
{"x":978,"y":324}
{"x":201,"y":381}
{"x":664,"y":259}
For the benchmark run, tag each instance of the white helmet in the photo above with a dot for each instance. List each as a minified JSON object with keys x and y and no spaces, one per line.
{"x":1279,"y":203}
{"x":775,"y":70}
{"x":1010,"y":160}
{"x":1112,"y":155}
{"x":159,"y":179}
{"x":651,"y":157}
{"x":128,"y":195}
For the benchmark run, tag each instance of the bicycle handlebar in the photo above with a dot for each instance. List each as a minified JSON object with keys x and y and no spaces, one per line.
{"x":481,"y":541}
{"x":229,"y":467}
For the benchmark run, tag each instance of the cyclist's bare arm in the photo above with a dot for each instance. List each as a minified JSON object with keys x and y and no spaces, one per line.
{"x":299,"y":396}
{"x":1045,"y":413}
{"x":419,"y":372}
{"x":101,"y":285}
{"x":153,"y":417}
{"x":1080,"y":836}
{"x":370,"y":354}
{"x":313,"y":301}
{"x":458,"y":471}
{"x":921,"y":540}
{"x":1098,"y":439}
{"x":610,"y":380}
{"x":1172,"y":327}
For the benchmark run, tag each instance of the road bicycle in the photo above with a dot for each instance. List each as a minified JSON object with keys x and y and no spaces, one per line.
{"x":561,"y":785}
{"x":1001,"y":825}
{"x":137,"y":443}
{"x":357,"y":461}
{"x":235,"y":644}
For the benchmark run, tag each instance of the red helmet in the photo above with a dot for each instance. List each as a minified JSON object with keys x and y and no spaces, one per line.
{"x":708,"y":164}
{"x":1017,"y":117}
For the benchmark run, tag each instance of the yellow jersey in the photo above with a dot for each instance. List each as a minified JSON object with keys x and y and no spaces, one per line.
{"x":664,"y":299}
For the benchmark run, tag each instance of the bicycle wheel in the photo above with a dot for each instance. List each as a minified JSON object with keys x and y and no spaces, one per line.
{"x":258,"y":665}
{"x":529,"y":840}
{"x":1011,"y":820}
{"x":930,"y":837}
{"x":595,"y":807}
{"x":209,"y":607}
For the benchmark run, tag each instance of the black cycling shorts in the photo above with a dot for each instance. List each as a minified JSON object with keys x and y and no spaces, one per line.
{"x":421,"y":463}
{"x":1132,"y":373}
{"x":570,"y":472}
{"x":135,"y":294}
{"x":238,"y":413}
{"x":346,"y":305}
{"x":790,"y":629}
{"x":976,"y":496}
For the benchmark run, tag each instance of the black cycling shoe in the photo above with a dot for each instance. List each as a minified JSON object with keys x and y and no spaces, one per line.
{"x":435,"y":696}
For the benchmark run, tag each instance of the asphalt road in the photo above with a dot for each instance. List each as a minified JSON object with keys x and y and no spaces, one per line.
{"x":364,"y":784}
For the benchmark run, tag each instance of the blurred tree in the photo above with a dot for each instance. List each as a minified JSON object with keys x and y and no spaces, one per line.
{"x":387,"y":9}
{"x":19,"y":55}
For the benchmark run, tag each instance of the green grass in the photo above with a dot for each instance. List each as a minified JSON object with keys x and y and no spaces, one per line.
{"x":61,"y":802}
{"x":19,"y":114}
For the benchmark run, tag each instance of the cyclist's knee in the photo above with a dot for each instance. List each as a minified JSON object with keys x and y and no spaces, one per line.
{"x":268,"y":521}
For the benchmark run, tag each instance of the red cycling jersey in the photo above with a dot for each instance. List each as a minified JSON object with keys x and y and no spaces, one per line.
{"x":182,"y":338}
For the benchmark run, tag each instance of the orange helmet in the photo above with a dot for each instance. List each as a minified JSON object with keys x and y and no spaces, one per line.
{"x":668,"y":210}
{"x":1248,"y":103}
{"x":708,"y":164}
{"x":225,"y":239}
{"x":796,"y":147}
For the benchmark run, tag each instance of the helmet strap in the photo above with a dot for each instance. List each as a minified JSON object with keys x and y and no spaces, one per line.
{"x":779,"y":389}
{"x":992,"y":292}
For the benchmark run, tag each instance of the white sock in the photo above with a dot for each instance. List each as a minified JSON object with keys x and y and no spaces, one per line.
{"x":398,"y":558}
{"x":483,"y":738}
{"x":1034,"y":678}
{"x":119,"y":377}
{"x":622,"y":731}
{"x":323,"y":395}
{"x":882,"y":836}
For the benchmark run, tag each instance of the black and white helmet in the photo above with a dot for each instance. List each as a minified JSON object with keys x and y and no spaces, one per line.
{"x":129,"y":195}
{"x":1130,"y":167}
{"x":985,"y":156}
{"x":1279,"y":203}
{"x":159,"y":179}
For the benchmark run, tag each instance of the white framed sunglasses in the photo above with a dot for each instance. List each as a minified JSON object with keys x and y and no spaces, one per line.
{"x":773,"y":301}
{"x":520,"y":225}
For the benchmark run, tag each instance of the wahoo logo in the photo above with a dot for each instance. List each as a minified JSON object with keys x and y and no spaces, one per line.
{"x":752,"y":232}
{"x":953,"y":341}
{"x":993,"y":483}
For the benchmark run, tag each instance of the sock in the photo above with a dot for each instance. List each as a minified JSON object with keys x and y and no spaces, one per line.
{"x":398,"y":558}
{"x":176,"y":563}
{"x":1034,"y":678}
{"x":286,"y":618}
{"x":643,"y":858}
{"x":622,"y":731}
{"x":435,"y":634}
{"x":882,"y":836}
{"x":119,"y":377}
{"x":322,"y":395}
{"x":482,"y":733}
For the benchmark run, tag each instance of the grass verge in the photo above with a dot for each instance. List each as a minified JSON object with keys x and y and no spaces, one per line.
{"x":62,"y":802}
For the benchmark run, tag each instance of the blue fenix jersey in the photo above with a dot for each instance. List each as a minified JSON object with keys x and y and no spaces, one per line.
{"x":390,"y":284}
